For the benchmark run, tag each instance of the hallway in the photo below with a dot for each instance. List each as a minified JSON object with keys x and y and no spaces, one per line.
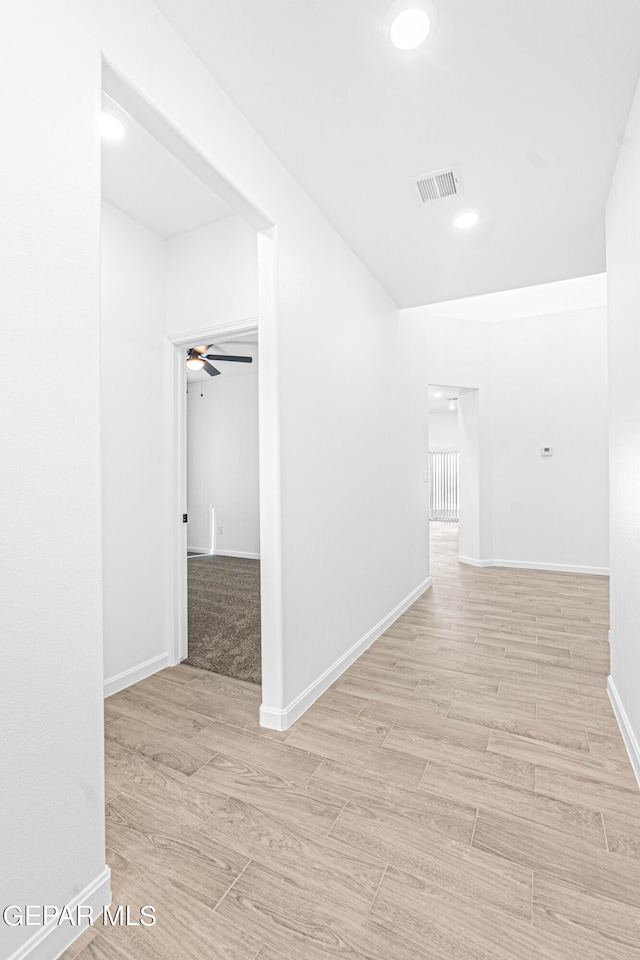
{"x":461,"y":791}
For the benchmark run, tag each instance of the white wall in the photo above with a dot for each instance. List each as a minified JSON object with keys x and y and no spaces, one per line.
{"x":443,"y":430}
{"x":342,"y":439}
{"x":540,"y":381}
{"x":549,"y":388}
{"x":458,"y":350}
{"x":223,"y":466}
{"x":212,"y":275}
{"x":51,"y":800}
{"x":353,"y":456}
{"x":623,"y":256}
{"x":133,"y":482}
{"x":474,"y":513}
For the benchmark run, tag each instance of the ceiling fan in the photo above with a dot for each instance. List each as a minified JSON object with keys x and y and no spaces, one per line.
{"x":197,"y":359}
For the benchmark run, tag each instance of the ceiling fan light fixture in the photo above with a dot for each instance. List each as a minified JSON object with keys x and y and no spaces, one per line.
{"x":197,"y":360}
{"x":195,"y":363}
{"x":410,"y":28}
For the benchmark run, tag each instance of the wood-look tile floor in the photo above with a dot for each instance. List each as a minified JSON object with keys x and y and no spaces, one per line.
{"x":461,"y":793}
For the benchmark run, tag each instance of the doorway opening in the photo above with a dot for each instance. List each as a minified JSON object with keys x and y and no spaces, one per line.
{"x":187,"y":262}
{"x":444,"y":461}
{"x":223,"y":508}
{"x":454,"y":473}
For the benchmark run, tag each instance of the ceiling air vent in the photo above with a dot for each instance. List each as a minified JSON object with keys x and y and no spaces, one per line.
{"x":438,"y":185}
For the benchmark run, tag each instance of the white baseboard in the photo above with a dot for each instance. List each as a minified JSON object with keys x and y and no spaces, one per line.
{"x":629,"y":737}
{"x":533,"y":565}
{"x":236,"y":553}
{"x":205,"y":550}
{"x":134,"y":674}
{"x":276,"y":719}
{"x":50,"y":941}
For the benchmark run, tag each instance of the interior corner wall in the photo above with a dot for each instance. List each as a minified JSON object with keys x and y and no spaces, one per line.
{"x":212,"y":276}
{"x":223,"y":463}
{"x":623,"y":256}
{"x":136,"y":636}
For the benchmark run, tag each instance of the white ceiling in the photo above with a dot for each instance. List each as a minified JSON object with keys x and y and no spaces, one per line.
{"x":145,"y":181}
{"x":531,"y":100}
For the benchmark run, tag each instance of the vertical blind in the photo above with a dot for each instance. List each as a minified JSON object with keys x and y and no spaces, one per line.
{"x":443,"y":485}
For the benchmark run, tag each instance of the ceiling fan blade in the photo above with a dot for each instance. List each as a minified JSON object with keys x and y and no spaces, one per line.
{"x":211,"y":370}
{"x":220,"y":356}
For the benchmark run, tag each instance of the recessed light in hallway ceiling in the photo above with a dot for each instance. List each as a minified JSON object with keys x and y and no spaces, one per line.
{"x":410,"y":28}
{"x":466,"y":220}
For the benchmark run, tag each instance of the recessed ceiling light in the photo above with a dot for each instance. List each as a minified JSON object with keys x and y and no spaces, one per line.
{"x":410,"y":28}
{"x":110,"y":127}
{"x":465,"y":220}
{"x":437,"y":395}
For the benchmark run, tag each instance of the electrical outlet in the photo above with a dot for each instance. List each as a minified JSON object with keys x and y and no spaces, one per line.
{"x":220,"y":529}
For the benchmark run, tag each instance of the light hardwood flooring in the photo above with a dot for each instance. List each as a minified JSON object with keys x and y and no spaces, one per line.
{"x":461,"y":793}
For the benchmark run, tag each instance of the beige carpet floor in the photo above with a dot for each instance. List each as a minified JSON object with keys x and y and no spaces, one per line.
{"x":224,"y":616}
